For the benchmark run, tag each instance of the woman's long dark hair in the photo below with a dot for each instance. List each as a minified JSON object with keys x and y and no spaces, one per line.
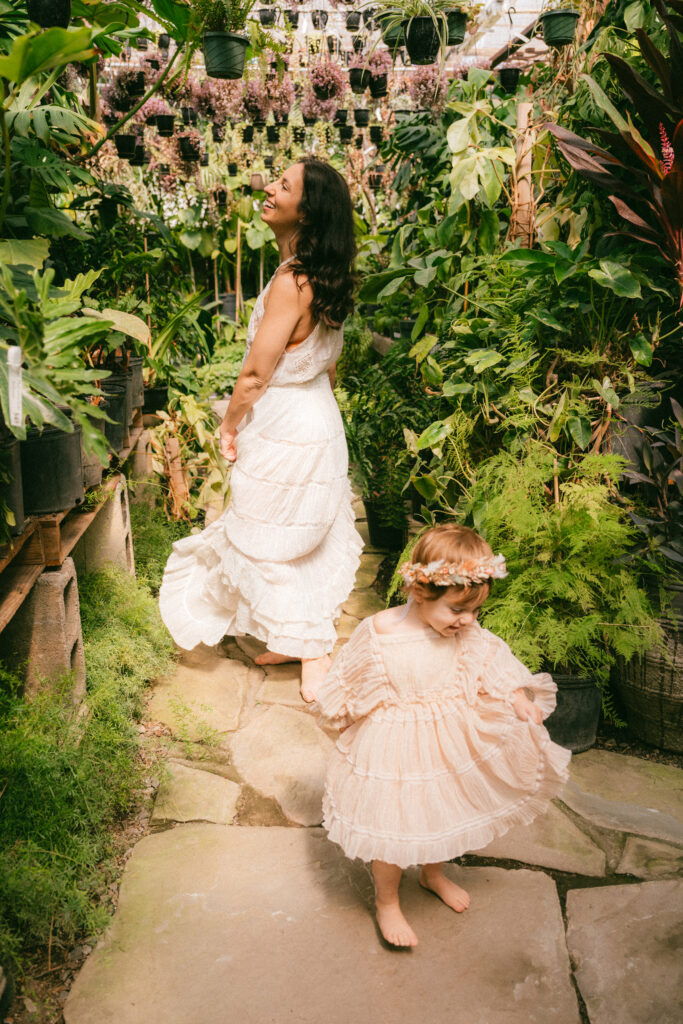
{"x":326,"y":244}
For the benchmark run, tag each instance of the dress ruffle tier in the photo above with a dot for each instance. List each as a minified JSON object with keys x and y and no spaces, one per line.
{"x":281,"y":561}
{"x":434,"y":761}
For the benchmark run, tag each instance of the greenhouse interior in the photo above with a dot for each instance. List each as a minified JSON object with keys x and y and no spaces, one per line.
{"x":327,"y":324}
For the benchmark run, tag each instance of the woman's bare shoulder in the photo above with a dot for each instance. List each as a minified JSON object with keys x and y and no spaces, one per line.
{"x":286,"y":288}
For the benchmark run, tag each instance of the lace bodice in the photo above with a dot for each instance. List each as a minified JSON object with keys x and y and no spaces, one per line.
{"x":313,"y":356}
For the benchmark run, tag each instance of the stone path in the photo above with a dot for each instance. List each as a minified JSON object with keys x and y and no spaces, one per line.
{"x":236,"y":907}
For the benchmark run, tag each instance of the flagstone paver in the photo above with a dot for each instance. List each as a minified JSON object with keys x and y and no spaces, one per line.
{"x":649,"y":858}
{"x":281,"y":686}
{"x":551,"y":841}
{"x":190,"y":794}
{"x":362,"y":603}
{"x":624,"y":941}
{"x":282,"y":753}
{"x":260,"y":925}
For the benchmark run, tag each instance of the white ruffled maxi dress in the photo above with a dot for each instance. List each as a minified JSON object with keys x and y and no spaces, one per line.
{"x":433,"y":761}
{"x":282,"y":559}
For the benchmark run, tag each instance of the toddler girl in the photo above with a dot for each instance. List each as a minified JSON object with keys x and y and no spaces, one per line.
{"x":441,"y":748}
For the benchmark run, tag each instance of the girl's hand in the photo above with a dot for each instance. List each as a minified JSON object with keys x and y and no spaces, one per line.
{"x":227,"y":443}
{"x":525,"y":709}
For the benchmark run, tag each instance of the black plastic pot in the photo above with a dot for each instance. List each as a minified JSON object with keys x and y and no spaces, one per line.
{"x":49,"y":13}
{"x":164,"y":41}
{"x":376,"y":134}
{"x":248,"y":133}
{"x":189,"y":115}
{"x":392,"y":34}
{"x":273,"y":133}
{"x":268,"y":161}
{"x":116,"y":402}
{"x":509,"y":78}
{"x":204,"y":160}
{"x":137,"y":87}
{"x":281,"y":119}
{"x":124,"y":380}
{"x":125,"y":146}
{"x":353,"y":21}
{"x":10,"y":462}
{"x":574,"y":722}
{"x":359,"y":80}
{"x":375,"y":179}
{"x":379,"y":86}
{"x":216,"y":133}
{"x":233,"y":169}
{"x":224,"y":54}
{"x":345,"y":132}
{"x":156,"y":398}
{"x":189,"y":150}
{"x":51,"y":470}
{"x":267,"y":16}
{"x":309,"y":120}
{"x":142,"y":43}
{"x":457,"y":23}
{"x":319,"y":19}
{"x":324,"y":92}
{"x":559,"y":27}
{"x":422,"y":40}
{"x":293,"y":18}
{"x":165,"y":124}
{"x":388,"y":538}
{"x":358,"y":44}
{"x":361,"y":117}
{"x":92,"y":467}
{"x":221,"y":197}
{"x":137,"y":387}
{"x":299,"y":135}
{"x":340,"y":117}
{"x":140,"y":157}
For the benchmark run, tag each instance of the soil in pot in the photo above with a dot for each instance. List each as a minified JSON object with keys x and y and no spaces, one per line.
{"x":559,"y":27}
{"x":13,"y":496}
{"x":574,"y":722}
{"x":422,"y":40}
{"x":51,"y":470}
{"x":49,"y":13}
{"x":650,"y":688}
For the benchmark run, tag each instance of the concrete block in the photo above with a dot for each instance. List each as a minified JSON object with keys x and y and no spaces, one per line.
{"x":44,"y":641}
{"x":140,"y":460}
{"x":108,"y":539}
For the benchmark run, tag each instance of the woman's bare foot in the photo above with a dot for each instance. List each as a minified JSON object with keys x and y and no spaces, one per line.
{"x":394,"y":926}
{"x":451,"y":894}
{"x":270,"y":658}
{"x":313,"y":671}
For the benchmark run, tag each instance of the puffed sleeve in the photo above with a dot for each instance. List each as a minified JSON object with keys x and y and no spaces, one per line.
{"x":503,"y":673}
{"x":356,"y":684}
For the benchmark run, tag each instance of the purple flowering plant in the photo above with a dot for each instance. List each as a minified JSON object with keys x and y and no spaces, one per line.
{"x":327,"y":77}
{"x":428,"y":87}
{"x":255,"y":99}
{"x":281,"y":96}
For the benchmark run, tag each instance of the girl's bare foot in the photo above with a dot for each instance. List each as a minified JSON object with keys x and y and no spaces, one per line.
{"x":313,"y":671}
{"x":393,"y":925}
{"x":270,"y":658}
{"x":451,"y":894}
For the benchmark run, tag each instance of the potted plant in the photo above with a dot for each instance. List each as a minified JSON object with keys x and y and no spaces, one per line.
{"x":345,"y":132}
{"x":157,"y":112}
{"x":327,"y":80}
{"x":508,"y":76}
{"x":650,"y":687}
{"x":266,"y":15}
{"x":428,"y":88}
{"x":361,"y":117}
{"x":127,"y":85}
{"x":376,"y":176}
{"x":359,"y":75}
{"x":319,"y":19}
{"x":292,"y":17}
{"x":353,"y":21}
{"x":164,"y":41}
{"x":376,"y":134}
{"x":314,"y":109}
{"x":49,"y":13}
{"x":379,"y":65}
{"x":282,"y":97}
{"x":189,"y":143}
{"x":570,"y":604}
{"x":224,"y":42}
{"x":558,"y":21}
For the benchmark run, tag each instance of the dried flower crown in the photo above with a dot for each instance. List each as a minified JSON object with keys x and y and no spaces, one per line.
{"x":450,"y":574}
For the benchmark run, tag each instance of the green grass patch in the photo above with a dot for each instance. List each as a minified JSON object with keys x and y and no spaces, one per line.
{"x":66,"y":780}
{"x":153,"y":536}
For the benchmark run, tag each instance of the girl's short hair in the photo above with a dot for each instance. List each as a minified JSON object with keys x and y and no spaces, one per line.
{"x":452,"y":543}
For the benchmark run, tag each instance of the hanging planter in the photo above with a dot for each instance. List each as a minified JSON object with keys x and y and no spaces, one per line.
{"x":376,"y":177}
{"x":165,"y":125}
{"x":49,"y":13}
{"x":340,"y":117}
{"x":574,"y":722}
{"x":281,"y":119}
{"x":345,"y":132}
{"x":139,"y":157}
{"x":224,"y":54}
{"x":299,"y":136}
{"x":189,"y":115}
{"x":164,"y":41}
{"x":92,"y":467}
{"x":268,"y":161}
{"x":156,"y":398}
{"x":51,"y":470}
{"x":509,"y":78}
{"x":125,"y":146}
{"x":376,"y":134}
{"x":319,"y":19}
{"x":233,"y":168}
{"x":293,"y":18}
{"x":273,"y":133}
{"x":248,"y":133}
{"x":379,"y":86}
{"x":359,"y":80}
{"x":457,"y":23}
{"x":221,"y":197}
{"x":353,"y":21}
{"x":189,"y":147}
{"x":559,"y":26}
{"x":324,"y":92}
{"x":422,"y":40}
{"x":308,"y":120}
{"x":392,"y":32}
{"x":267,"y":15}
{"x":216,"y":133}
{"x":204,"y":160}
{"x":361,"y":117}
{"x":358,"y":44}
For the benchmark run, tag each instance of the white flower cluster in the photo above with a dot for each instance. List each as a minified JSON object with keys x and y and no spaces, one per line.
{"x":174,"y":206}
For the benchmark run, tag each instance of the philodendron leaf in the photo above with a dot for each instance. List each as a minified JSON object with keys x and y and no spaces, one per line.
{"x":580,"y":430}
{"x":641,"y":349}
{"x":617,"y":278}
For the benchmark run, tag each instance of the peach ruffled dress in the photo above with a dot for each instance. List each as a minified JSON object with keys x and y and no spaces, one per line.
{"x":434,"y":761}
{"x":283,"y":558}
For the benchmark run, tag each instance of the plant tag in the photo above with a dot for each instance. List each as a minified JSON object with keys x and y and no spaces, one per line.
{"x":14,"y":372}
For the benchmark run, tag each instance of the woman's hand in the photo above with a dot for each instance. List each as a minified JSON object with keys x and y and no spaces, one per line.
{"x":525,"y":709}
{"x":227,"y":443}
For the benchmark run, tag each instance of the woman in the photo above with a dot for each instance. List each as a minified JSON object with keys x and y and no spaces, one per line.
{"x":281,"y":561}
